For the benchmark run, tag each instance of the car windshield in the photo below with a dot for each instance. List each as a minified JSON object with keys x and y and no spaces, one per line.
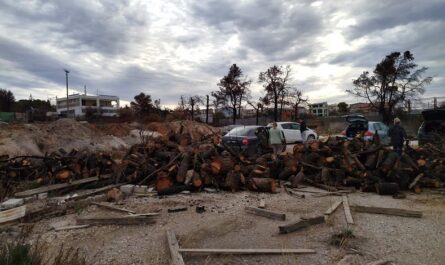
{"x":242,"y":131}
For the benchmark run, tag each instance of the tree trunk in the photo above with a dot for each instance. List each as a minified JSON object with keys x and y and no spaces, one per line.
{"x":257,"y":115}
{"x":207,"y":110}
{"x":275,"y":110}
{"x":234,"y":115}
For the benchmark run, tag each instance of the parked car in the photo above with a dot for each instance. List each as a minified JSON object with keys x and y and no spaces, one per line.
{"x":292,"y":132}
{"x":249,"y":140}
{"x":358,"y":123}
{"x":432,"y":129}
{"x":228,"y":128}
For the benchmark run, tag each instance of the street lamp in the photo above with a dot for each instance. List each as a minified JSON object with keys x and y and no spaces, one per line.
{"x":67,"y":103}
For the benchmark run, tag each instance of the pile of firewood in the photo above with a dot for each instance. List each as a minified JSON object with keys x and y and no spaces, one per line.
{"x":53,"y":168}
{"x":176,"y":163}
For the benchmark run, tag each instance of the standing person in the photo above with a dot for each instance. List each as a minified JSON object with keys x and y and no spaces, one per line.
{"x":303,"y":129}
{"x":398,"y":136}
{"x":276,"y":140}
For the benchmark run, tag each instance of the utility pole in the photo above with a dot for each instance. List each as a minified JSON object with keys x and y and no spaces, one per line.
{"x":207,"y":110}
{"x":67,"y":103}
{"x":85,"y":90}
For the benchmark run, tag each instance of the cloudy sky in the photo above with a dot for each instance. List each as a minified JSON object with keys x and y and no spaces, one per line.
{"x":181,"y":47}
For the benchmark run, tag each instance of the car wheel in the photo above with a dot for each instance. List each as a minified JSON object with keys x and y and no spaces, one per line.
{"x":310,"y":137}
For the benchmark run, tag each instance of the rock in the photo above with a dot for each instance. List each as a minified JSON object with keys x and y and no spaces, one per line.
{"x":127,"y":189}
{"x":140,"y":189}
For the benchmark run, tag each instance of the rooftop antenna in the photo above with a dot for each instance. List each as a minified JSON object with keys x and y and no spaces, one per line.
{"x":85,"y":89}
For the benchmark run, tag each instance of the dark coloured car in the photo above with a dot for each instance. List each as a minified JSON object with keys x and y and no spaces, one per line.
{"x":432,"y":129}
{"x":248,"y":140}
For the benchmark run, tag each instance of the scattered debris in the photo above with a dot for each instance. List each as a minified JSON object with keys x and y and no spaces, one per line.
{"x":12,"y":214}
{"x":266,"y":213}
{"x":113,"y":208}
{"x":118,"y":220}
{"x":177,"y":209}
{"x":301,"y":224}
{"x":340,"y":239}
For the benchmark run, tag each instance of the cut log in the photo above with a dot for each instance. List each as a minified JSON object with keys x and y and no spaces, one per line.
{"x":12,"y":214}
{"x":347,"y":210}
{"x":266,"y":213}
{"x":163,"y":181}
{"x":387,"y":211}
{"x":121,"y":220}
{"x":387,"y":188}
{"x":333,"y":207}
{"x":262,"y":184}
{"x":183,"y":168}
{"x":301,"y":224}
{"x":113,"y":208}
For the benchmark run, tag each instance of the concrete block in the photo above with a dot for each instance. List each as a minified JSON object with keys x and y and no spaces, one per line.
{"x":12,"y":203}
{"x":140,"y":189}
{"x":127,"y":189}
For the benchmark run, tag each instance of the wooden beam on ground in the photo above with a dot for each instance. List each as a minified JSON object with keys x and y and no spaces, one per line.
{"x":48,"y":188}
{"x":348,"y":214}
{"x":333,"y":207}
{"x":72,"y":227}
{"x":387,"y":211}
{"x":113,"y":208}
{"x":120,"y":220}
{"x":301,"y":224}
{"x":266,"y":213}
{"x":246,"y":251}
{"x":379,"y":262}
{"x":415,"y":180}
{"x":173,"y":245}
{"x":12,"y":214}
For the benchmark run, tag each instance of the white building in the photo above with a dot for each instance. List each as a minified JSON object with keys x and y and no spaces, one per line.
{"x":79,"y":104}
{"x":319,"y":109}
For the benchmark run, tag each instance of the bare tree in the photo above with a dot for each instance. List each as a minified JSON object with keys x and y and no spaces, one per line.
{"x":232,"y":91}
{"x":275,"y":81}
{"x":192,"y":103}
{"x":257,"y":106}
{"x":395,"y":80}
{"x":296,"y":99}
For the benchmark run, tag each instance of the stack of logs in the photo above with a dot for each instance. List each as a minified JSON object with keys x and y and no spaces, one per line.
{"x":175,"y":163}
{"x":52,"y":168}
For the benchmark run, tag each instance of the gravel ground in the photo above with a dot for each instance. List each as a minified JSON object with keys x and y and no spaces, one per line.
{"x":224,"y":224}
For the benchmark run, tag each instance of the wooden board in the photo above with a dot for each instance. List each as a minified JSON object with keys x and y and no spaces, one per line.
{"x":92,"y":192}
{"x":113,"y":208}
{"x":43,"y":189}
{"x":387,"y":211}
{"x":12,"y":214}
{"x":333,"y":207}
{"x":266,"y":213}
{"x":348,"y":214}
{"x":415,"y":181}
{"x":301,"y":224}
{"x":173,"y":245}
{"x":72,"y":227}
{"x":247,"y":251}
{"x":120,"y":220}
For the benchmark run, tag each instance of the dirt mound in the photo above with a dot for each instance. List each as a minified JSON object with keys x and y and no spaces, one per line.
{"x":115,"y":129}
{"x":197,"y":130}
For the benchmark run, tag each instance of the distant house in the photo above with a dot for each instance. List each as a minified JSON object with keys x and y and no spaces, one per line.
{"x":79,"y":104}
{"x":319,"y":109}
{"x":361,"y":108}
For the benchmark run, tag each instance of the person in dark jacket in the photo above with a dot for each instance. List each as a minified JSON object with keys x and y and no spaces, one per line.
{"x":303,"y":129}
{"x":398,"y":136}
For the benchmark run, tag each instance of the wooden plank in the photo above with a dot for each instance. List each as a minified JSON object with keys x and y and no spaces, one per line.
{"x":247,"y":251}
{"x":415,"y":180}
{"x":333,"y":207}
{"x":43,"y":189}
{"x":266,"y":213}
{"x":93,"y":192}
{"x":146,"y":214}
{"x":120,"y":220}
{"x":387,"y":211}
{"x":348,"y":214}
{"x":113,"y":208}
{"x":262,"y":204}
{"x":301,"y":224}
{"x":72,"y":227}
{"x":12,"y":214}
{"x":379,"y":262}
{"x":173,"y":245}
